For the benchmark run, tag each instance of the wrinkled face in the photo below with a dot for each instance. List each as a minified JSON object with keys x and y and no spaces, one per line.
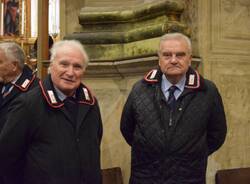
{"x":7,"y":68}
{"x":174,"y":59}
{"x":67,"y":70}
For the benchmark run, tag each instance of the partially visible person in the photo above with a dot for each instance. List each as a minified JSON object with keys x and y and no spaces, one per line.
{"x":53,"y":133}
{"x":33,"y":53}
{"x":15,"y":78}
{"x":173,"y":119}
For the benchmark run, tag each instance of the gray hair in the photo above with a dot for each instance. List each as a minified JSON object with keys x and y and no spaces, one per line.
{"x":69,"y":43}
{"x":176,"y":36}
{"x":13,"y":52}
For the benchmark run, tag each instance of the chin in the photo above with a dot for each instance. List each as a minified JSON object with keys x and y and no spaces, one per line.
{"x":174,"y":73}
{"x":69,"y":89}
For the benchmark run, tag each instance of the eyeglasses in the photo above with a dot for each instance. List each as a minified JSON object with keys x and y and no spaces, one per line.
{"x":170,"y":55}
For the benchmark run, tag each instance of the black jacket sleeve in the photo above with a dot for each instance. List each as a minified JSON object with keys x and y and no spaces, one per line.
{"x":217,"y":128}
{"x":127,"y":124}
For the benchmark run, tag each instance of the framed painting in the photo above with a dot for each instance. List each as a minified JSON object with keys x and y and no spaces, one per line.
{"x":12,"y":17}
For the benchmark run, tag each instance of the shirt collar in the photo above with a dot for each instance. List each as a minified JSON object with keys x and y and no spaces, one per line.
{"x":165,"y":84}
{"x":60,"y":94}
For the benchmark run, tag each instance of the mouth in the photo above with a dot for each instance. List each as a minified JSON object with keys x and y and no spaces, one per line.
{"x":173,"y":67}
{"x":68,"y":80}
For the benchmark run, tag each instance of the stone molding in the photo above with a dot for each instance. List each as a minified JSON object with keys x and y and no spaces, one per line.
{"x":94,"y":15}
{"x":121,"y":68}
{"x":123,"y":41}
{"x":128,"y":35}
{"x":128,"y":67}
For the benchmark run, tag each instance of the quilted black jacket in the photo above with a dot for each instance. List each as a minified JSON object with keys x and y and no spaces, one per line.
{"x":176,"y":152}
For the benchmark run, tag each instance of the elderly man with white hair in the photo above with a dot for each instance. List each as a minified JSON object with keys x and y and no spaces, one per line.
{"x":53,"y":133}
{"x":15,"y":77}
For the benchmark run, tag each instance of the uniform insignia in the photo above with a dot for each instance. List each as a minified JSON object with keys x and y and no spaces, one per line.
{"x":86,"y":94}
{"x":25,"y":83}
{"x":191,"y":79}
{"x":52,"y":96}
{"x":152,"y":76}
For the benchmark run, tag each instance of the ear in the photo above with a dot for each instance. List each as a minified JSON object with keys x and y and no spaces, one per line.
{"x":159,"y":62}
{"x":15,"y":66}
{"x":50,"y":65}
{"x":159,"y":59}
{"x":83,"y":73}
{"x":190,"y":60}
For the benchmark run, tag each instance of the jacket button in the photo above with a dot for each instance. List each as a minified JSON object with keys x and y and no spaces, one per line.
{"x":77,"y":140}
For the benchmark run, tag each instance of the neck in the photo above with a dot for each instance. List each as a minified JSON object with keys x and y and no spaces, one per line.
{"x":173,"y":79}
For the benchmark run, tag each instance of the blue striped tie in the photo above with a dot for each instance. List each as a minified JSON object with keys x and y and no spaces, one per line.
{"x":171,"y":98}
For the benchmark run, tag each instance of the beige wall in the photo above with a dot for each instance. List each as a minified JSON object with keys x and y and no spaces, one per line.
{"x":111,"y":94}
{"x":220,"y":33}
{"x":224,"y":45}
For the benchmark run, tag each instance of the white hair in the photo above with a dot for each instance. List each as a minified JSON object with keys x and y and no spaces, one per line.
{"x":176,"y":36}
{"x":13,"y":52}
{"x":69,"y":43}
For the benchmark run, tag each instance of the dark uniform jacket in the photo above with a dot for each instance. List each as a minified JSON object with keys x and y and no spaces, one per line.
{"x":40,"y":145}
{"x":26,"y":82}
{"x":171,"y":147}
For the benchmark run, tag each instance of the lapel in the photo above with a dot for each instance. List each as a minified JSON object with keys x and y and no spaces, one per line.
{"x":50,"y":96}
{"x":153,"y":79}
{"x":82,"y":112}
{"x":66,"y":114}
{"x":23,"y":84}
{"x":84,"y":99}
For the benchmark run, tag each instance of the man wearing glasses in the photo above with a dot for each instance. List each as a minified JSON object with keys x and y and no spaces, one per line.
{"x":173,"y":119}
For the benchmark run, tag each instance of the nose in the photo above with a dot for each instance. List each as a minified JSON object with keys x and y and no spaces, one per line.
{"x":173,"y":59}
{"x":70,"y":71}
